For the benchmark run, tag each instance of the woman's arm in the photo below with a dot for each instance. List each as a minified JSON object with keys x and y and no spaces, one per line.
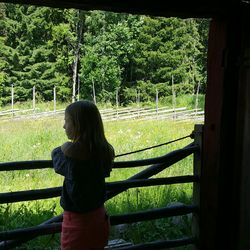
{"x":61,"y":164}
{"x":67,"y":148}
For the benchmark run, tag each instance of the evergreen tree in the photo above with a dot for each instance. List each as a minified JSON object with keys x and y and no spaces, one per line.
{"x":168,"y":47}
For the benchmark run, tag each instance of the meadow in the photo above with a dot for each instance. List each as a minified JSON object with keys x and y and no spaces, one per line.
{"x":34,"y":139}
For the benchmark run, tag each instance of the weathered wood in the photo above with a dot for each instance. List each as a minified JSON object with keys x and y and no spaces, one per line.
{"x":210,"y":167}
{"x":47,"y":193}
{"x":30,"y":195}
{"x":173,"y":156}
{"x":153,"y":170}
{"x":198,"y":133}
{"x":153,"y":214}
{"x":221,"y":169}
{"x":117,"y":244}
{"x":160,"y":244}
{"x":25,"y":165}
{"x":151,"y":182}
{"x":181,"y":8}
{"x":114,"y":220}
{"x":242,"y":142}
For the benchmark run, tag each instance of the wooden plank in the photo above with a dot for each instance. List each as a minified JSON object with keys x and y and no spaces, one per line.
{"x":181,"y":8}
{"x":210,"y":166}
{"x":198,"y":134}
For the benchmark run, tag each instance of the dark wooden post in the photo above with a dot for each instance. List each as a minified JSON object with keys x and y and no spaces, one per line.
{"x":225,"y":206}
{"x":198,"y":133}
{"x":242,"y":142}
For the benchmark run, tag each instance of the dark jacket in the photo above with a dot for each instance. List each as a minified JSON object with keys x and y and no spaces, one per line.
{"x":84,"y":182}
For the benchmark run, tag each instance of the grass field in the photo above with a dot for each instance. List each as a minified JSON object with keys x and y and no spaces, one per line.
{"x":34,"y":139}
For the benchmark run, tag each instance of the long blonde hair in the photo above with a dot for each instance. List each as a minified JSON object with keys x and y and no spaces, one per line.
{"x":89,"y":130}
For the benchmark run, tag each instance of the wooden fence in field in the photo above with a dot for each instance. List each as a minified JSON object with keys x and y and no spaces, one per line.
{"x":12,"y":238}
{"x":112,"y":114}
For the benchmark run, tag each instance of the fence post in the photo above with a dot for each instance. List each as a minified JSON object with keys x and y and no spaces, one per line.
{"x":54,"y":90}
{"x":173,"y":98}
{"x":12,"y":99}
{"x":157,"y":101}
{"x":117,"y":102}
{"x":138,"y":103}
{"x":34,"y":98}
{"x":197,"y":99}
{"x":198,"y":133}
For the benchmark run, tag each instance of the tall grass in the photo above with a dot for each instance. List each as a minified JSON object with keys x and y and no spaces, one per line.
{"x":188,"y":101}
{"x":34,"y":139}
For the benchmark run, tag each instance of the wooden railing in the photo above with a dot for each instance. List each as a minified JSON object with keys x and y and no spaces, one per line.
{"x":139,"y":113}
{"x":12,"y":238}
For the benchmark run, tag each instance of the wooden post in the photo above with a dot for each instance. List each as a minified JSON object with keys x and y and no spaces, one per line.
{"x":138,"y":103}
{"x":222,"y":160}
{"x":34,"y":98}
{"x":117,"y":102}
{"x":157,"y":100}
{"x":198,"y":133}
{"x":12,"y":99}
{"x":54,"y":99}
{"x":173,"y":98}
{"x":197,"y":99}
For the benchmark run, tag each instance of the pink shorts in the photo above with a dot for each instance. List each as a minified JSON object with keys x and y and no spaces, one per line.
{"x":85,"y":231}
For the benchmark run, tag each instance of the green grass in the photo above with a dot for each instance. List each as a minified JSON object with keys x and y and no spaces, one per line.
{"x":34,"y":139}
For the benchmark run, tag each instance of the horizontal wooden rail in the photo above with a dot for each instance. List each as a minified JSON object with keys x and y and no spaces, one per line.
{"x":41,"y":164}
{"x":178,"y":155}
{"x":151,"y":182}
{"x":114,"y":220}
{"x":154,"y":169}
{"x":56,"y":191}
{"x":30,"y":195}
{"x":160,"y":244}
{"x":25,"y":165}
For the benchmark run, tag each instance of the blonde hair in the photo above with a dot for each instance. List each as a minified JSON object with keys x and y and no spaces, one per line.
{"x":89,"y":130}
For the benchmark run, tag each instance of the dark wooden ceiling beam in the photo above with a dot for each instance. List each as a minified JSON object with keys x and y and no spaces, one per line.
{"x":181,"y":8}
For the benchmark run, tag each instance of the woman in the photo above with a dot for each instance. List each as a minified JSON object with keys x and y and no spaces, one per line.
{"x":84,"y":162}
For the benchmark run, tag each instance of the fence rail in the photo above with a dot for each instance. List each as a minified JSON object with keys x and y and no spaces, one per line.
{"x":12,"y":238}
{"x":139,"y":113}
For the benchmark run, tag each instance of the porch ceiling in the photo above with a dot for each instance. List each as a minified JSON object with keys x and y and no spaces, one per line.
{"x":167,"y":8}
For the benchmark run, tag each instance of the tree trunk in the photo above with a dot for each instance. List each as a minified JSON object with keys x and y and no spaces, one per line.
{"x":75,"y":66}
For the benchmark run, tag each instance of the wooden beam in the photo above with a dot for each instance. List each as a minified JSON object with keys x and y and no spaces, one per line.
{"x":181,"y":8}
{"x":243,"y":140}
{"x":213,"y":105}
{"x":220,"y":176}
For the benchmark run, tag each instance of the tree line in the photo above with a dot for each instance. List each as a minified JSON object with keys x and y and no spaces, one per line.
{"x":79,"y":52}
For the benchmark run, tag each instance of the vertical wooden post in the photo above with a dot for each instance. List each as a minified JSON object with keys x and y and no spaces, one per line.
{"x":12,"y":99}
{"x":157,"y":102}
{"x":34,"y":99}
{"x":173,"y":99}
{"x":197,"y":163}
{"x":117,"y":102}
{"x":221,"y":166}
{"x":138,"y":103}
{"x":54,"y":99}
{"x":209,"y":183}
{"x":197,"y":99}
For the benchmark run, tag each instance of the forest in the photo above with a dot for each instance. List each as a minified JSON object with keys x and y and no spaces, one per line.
{"x":87,"y":53}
